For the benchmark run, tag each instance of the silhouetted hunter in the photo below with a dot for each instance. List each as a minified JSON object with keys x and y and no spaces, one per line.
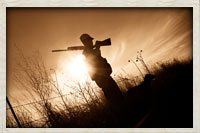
{"x":100,"y":69}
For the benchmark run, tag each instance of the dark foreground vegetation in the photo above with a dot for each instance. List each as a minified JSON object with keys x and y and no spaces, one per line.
{"x":172,"y":96}
{"x":168,"y":104}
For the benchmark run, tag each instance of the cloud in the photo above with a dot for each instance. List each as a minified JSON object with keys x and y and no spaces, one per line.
{"x":118,"y":52}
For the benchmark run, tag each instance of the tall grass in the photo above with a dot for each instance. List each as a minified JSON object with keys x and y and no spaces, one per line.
{"x":87,"y":106}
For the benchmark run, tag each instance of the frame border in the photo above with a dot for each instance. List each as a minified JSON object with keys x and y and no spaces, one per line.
{"x":102,"y":3}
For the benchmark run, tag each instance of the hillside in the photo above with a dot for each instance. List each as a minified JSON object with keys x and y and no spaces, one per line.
{"x":169,"y":104}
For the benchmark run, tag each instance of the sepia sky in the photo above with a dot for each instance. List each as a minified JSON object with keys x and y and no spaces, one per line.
{"x":162,"y":33}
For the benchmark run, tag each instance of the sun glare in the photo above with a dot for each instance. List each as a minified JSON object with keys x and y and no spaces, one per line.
{"x":70,"y":70}
{"x":77,"y":67}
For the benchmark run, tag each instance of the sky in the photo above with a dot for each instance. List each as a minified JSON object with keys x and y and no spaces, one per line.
{"x":161,"y":33}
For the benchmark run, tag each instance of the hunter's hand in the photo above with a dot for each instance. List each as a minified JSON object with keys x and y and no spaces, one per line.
{"x":97,"y":44}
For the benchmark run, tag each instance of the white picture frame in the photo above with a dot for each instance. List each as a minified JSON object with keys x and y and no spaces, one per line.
{"x":103,"y":3}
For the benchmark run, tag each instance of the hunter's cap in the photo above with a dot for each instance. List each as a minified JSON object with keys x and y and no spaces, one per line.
{"x":85,"y":36}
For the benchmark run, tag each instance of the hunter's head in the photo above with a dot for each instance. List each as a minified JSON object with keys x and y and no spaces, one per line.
{"x":86,"y":40}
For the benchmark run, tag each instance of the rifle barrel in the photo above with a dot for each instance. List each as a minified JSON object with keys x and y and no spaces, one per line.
{"x":76,"y":48}
{"x":70,"y":49}
{"x":59,"y":50}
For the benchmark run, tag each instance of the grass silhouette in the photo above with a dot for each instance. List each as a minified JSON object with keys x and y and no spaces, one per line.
{"x":171,"y":105}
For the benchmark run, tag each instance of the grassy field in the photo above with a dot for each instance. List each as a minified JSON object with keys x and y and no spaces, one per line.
{"x":171,"y":102}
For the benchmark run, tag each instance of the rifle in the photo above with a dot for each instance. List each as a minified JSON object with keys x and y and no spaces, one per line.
{"x":105,"y":42}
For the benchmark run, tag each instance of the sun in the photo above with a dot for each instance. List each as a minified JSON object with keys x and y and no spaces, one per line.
{"x":73,"y":69}
{"x":78,"y":68}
